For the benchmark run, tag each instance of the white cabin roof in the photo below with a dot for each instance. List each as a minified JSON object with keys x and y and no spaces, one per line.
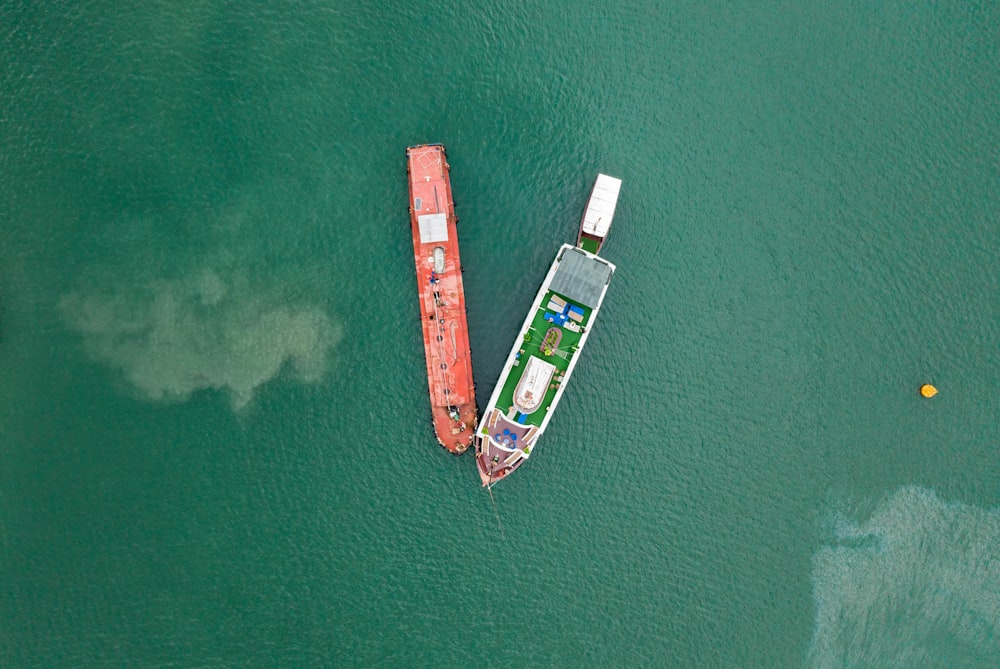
{"x":534,"y":383}
{"x":601,"y":206}
{"x":433,"y":228}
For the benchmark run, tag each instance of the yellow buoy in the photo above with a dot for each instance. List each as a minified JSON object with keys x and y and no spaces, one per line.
{"x":927,"y":390}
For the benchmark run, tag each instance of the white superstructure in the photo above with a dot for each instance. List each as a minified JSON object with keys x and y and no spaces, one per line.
{"x":601,"y":206}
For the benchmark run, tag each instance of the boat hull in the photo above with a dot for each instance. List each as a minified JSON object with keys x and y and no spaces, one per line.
{"x":544,"y":355}
{"x":441,"y":297}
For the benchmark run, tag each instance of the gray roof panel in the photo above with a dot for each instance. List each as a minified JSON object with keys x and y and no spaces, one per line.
{"x":581,"y":278}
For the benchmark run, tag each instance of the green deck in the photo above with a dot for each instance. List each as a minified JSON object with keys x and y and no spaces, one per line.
{"x":532,"y":344}
{"x":591,"y":245}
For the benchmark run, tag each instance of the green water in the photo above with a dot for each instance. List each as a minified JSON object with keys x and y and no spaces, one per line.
{"x":215,"y":446}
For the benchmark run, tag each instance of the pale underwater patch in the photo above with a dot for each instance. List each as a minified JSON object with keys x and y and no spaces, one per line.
{"x":171,"y":338}
{"x":916,"y":585}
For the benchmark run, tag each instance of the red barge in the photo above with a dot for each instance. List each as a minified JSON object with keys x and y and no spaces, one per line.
{"x":442,"y":297}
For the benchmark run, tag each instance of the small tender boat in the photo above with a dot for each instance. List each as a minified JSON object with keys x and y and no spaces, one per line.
{"x":599,"y":212}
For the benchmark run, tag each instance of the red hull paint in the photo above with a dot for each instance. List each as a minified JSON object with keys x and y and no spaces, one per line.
{"x":442,"y":301}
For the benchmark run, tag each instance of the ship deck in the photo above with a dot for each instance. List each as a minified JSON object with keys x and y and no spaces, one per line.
{"x":442,"y":297}
{"x":535,"y":343}
{"x":589,"y":243}
{"x":540,"y":363}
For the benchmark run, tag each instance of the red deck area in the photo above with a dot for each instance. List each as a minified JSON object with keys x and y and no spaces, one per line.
{"x":442,"y":297}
